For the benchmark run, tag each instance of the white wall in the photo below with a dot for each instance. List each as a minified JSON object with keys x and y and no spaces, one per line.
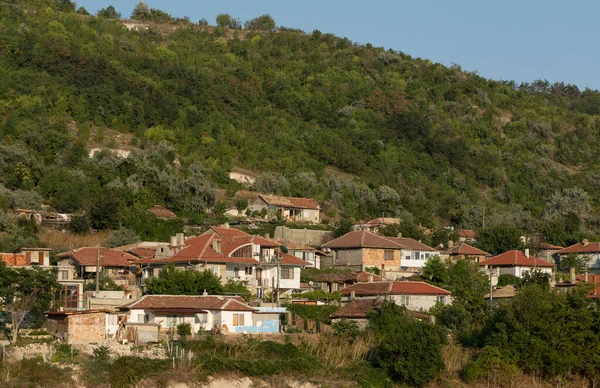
{"x":412,"y":260}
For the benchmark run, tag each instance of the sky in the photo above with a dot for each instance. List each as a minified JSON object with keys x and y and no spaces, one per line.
{"x":503,"y":40}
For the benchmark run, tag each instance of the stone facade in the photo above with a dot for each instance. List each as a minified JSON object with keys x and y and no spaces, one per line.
{"x":359,"y":259}
{"x":78,"y":327}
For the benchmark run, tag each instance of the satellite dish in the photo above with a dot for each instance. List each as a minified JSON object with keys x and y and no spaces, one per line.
{"x":283,"y":249}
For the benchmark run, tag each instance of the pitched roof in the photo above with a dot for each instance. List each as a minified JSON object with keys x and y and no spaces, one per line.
{"x":412,"y":244}
{"x":466,"y":249}
{"x":383,"y":221}
{"x":507,"y":291}
{"x":187,"y":303}
{"x":546,"y":246}
{"x":162,"y":212}
{"x":581,"y":247}
{"x":394,"y":288}
{"x":515,"y":258}
{"x":363,"y":239}
{"x":108,"y":257}
{"x":467,"y":233}
{"x":228,"y":234}
{"x":292,"y":260}
{"x":353,"y":277}
{"x":358,"y":308}
{"x":290,"y":202}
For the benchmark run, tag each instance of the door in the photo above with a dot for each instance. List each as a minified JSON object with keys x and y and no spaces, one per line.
{"x":258,"y":273}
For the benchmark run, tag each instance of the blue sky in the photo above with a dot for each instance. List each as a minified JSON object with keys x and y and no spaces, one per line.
{"x":510,"y":40}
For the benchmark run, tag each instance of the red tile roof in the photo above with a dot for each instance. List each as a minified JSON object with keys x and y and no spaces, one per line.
{"x":516,"y":258}
{"x":109,"y":257}
{"x":412,"y":244}
{"x":358,"y":308}
{"x":363,"y":239}
{"x":162,"y":212}
{"x":185,"y":302}
{"x":467,"y":233}
{"x":588,"y":247}
{"x":394,"y":288}
{"x":466,"y":249}
{"x":228,"y":234}
{"x":292,"y":260}
{"x":546,"y":246}
{"x":290,"y":202}
{"x":353,"y":277}
{"x":383,"y":221}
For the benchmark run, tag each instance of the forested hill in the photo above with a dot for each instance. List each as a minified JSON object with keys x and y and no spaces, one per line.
{"x":363,"y":130}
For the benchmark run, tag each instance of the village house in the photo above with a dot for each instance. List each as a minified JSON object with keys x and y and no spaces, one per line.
{"x":586,"y":250}
{"x":302,"y":251}
{"x":462,"y":250}
{"x":357,"y":311}
{"x":162,"y":212}
{"x":375,"y":225}
{"x":415,"y":296}
{"x":514,"y":263}
{"x":70,"y":295}
{"x":415,"y":254}
{"x":202,"y":312}
{"x":467,"y":235}
{"x":574,"y":280}
{"x":362,"y":249}
{"x":547,"y":252}
{"x":234,"y":255}
{"x":288,"y":208}
{"x":114,"y":264}
{"x":331,"y":282}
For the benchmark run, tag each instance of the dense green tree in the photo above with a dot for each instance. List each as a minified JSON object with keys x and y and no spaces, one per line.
{"x":173,"y":281}
{"x":500,"y":239}
{"x":436,"y":271}
{"x":262,"y":23}
{"x":109,"y":13}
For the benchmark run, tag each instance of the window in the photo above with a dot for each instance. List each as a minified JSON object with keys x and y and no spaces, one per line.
{"x":388,"y":255}
{"x":245,"y":251}
{"x":141,"y":318}
{"x":248,"y":270}
{"x":63,"y":275}
{"x":238,"y":319}
{"x":404,"y":300}
{"x":441,"y":299}
{"x":174,"y":320}
{"x":417,"y":255}
{"x":112,"y":319}
{"x":213,"y":268}
{"x":287,"y":273}
{"x":230,"y":272}
{"x":407,"y":258}
{"x":426,"y":256}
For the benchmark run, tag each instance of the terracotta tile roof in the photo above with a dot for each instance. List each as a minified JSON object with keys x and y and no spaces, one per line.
{"x":290,"y":202}
{"x":185,"y":302}
{"x":546,"y":246}
{"x":363,"y":239}
{"x":142,"y":253}
{"x":516,"y":258}
{"x":412,"y":244}
{"x":467,"y":233}
{"x":228,"y":234}
{"x":162,"y":212}
{"x":109,"y":257}
{"x":353,"y":277}
{"x":291,"y":245}
{"x":383,"y":221}
{"x":394,"y":288}
{"x":13,"y":259}
{"x":358,"y":308}
{"x":588,"y":247}
{"x":291,"y":260}
{"x":466,"y":249}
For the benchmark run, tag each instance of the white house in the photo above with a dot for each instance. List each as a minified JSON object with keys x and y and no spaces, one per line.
{"x":590,"y":251}
{"x":415,"y":296}
{"x":514,"y":263}
{"x":414,"y":254}
{"x":202,"y":312}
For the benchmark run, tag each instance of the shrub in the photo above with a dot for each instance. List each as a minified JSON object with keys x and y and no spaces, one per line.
{"x":101,"y":353}
{"x":346,"y":328}
{"x":64,"y":353}
{"x":184,"y":329}
{"x":79,"y":225}
{"x":128,"y":371}
{"x":506,"y":279}
{"x":490,"y":365}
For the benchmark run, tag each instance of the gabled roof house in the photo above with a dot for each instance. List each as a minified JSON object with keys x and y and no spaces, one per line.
{"x":289,"y":208}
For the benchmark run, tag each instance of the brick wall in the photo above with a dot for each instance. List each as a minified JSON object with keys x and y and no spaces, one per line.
{"x":86,"y":328}
{"x":13,"y":259}
{"x":373,"y":257}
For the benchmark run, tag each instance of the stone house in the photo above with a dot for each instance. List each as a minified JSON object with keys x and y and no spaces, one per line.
{"x":80,"y":327}
{"x":376,"y":224}
{"x":289,"y":208}
{"x":357,"y":311}
{"x":466,"y":251}
{"x":359,"y":250}
{"x":331,"y":282}
{"x":467,"y":235}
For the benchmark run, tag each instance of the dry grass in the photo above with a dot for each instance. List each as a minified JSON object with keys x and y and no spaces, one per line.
{"x":338,"y":352}
{"x":66,"y":239}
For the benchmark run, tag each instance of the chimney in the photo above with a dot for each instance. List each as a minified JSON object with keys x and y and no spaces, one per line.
{"x":586,"y":276}
{"x":267,"y":235}
{"x":585,"y":242}
{"x":572,"y":275}
{"x":527,"y":252}
{"x":205,"y":293}
{"x":180,"y":239}
{"x":216,"y":245}
{"x":174,"y":241}
{"x":399,"y":235}
{"x":450,"y":244}
{"x":370,"y":278}
{"x":352,"y":295}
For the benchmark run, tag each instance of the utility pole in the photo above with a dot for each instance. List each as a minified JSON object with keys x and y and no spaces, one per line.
{"x":483,"y":221}
{"x":491,"y":286}
{"x":97,"y":271}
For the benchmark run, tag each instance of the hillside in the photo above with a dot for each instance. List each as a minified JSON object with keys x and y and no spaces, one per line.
{"x":405,"y":136}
